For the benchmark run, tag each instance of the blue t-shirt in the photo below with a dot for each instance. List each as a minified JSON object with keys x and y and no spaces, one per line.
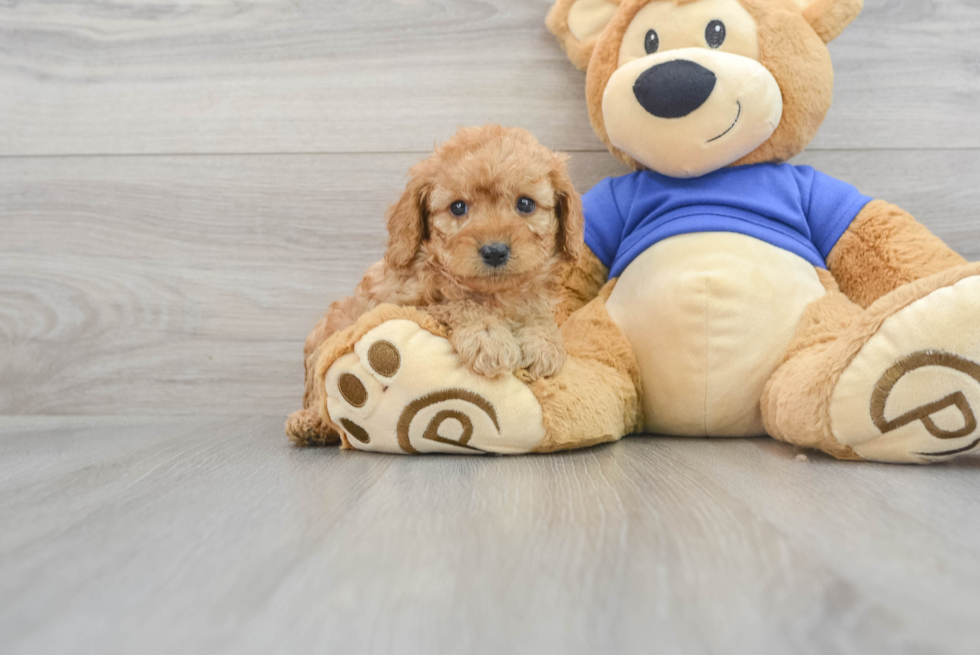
{"x":793,"y":207}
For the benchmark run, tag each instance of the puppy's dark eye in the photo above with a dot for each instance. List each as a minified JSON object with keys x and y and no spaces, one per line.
{"x":652,"y":42}
{"x":714,"y":34}
{"x":458,"y":208}
{"x":526,"y":205}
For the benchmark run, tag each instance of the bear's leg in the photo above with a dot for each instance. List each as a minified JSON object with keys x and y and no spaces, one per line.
{"x":896,"y":382}
{"x":595,"y":397}
{"x":393,"y":384}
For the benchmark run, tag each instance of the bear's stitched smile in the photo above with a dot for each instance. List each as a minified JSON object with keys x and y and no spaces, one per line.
{"x":738,"y":116}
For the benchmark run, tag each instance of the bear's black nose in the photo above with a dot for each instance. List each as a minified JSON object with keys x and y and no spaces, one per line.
{"x":495,"y":254}
{"x":674,"y":89}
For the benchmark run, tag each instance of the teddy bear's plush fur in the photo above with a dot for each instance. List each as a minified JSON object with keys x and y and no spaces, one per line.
{"x":874,"y":262}
{"x":872,"y":352}
{"x":791,"y":46}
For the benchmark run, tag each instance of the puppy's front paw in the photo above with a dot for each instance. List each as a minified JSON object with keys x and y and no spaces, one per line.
{"x":545,"y":358}
{"x":542,"y":352}
{"x":489,"y":352}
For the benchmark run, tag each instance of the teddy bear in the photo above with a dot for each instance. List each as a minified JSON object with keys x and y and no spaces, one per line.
{"x":723,"y":292}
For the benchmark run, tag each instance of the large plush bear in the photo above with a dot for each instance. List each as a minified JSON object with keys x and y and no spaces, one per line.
{"x":745,"y":296}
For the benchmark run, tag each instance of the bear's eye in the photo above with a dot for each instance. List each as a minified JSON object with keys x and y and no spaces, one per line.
{"x":651,"y":42}
{"x":458,"y":208}
{"x":714,"y":34}
{"x":525,"y":205}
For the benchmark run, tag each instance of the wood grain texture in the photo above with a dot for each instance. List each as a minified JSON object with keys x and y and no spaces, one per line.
{"x":212,"y":535}
{"x":183,"y":285}
{"x":103,"y":77}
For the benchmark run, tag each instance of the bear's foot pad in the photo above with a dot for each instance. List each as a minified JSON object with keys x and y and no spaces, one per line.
{"x":403,"y":390}
{"x":912,"y":394}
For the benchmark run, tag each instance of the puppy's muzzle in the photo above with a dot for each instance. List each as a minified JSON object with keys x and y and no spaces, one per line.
{"x":495,"y":255}
{"x":674,"y":89}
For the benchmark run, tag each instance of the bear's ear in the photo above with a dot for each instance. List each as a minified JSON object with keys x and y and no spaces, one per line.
{"x":577,"y":24}
{"x":829,"y":17}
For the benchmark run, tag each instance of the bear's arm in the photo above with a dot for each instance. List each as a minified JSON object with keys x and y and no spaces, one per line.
{"x":884,"y":248}
{"x":580,"y":282}
{"x":582,"y":279}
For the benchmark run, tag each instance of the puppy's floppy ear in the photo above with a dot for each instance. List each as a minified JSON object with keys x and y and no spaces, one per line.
{"x":408,"y":222}
{"x":829,"y":17}
{"x":568,"y":210}
{"x":577,"y":24}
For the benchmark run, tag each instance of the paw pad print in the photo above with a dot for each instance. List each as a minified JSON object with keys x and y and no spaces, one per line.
{"x":403,"y":390}
{"x":384,"y":358}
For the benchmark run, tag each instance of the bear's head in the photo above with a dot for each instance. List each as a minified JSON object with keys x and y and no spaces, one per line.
{"x":685,"y":87}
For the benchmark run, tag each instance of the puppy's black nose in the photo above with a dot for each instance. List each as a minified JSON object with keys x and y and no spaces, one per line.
{"x":674,"y":89}
{"x":495,"y":254}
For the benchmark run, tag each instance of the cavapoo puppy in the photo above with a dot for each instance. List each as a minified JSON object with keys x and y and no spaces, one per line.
{"x":478,"y":240}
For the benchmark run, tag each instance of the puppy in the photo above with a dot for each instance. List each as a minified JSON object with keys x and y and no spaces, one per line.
{"x":477,"y":239}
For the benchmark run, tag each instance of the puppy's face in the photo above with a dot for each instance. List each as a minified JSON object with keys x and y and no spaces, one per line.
{"x":490,"y":222}
{"x":495,"y":209}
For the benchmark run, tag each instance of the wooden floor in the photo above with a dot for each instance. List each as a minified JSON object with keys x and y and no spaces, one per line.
{"x":185,"y":186}
{"x":208,"y":535}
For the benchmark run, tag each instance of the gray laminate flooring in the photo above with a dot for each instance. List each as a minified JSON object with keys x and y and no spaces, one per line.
{"x":206,"y":535}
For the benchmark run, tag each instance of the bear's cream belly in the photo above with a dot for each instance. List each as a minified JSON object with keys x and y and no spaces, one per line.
{"x":710,"y":315}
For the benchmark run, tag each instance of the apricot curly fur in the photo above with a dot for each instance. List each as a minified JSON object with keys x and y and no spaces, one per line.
{"x":498,"y":319}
